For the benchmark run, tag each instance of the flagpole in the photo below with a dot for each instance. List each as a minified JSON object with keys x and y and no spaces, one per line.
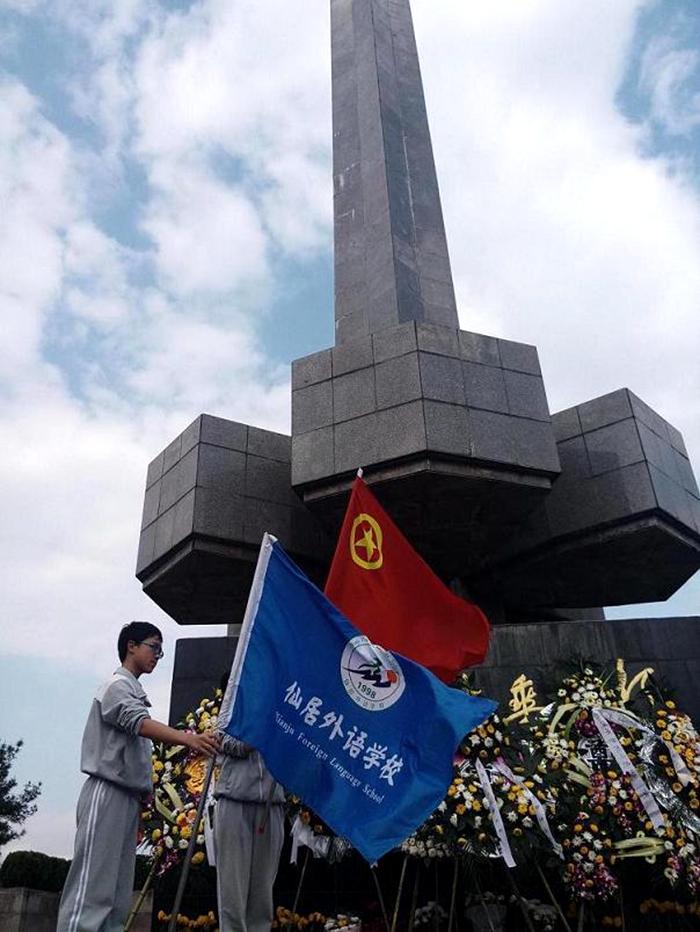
{"x":381,"y":898}
{"x":555,"y":903}
{"x":144,"y":890}
{"x":395,"y":917}
{"x":453,"y":898}
{"x":301,"y":881}
{"x":268,"y":805}
{"x":521,"y":902}
{"x":414,"y":898}
{"x":172,"y":925}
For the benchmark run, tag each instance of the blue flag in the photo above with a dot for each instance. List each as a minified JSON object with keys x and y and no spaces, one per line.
{"x":364,"y":737}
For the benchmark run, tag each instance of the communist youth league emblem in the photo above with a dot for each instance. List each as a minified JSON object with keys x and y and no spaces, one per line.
{"x":366,"y":540}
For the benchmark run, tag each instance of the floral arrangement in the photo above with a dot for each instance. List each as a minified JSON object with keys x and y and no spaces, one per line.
{"x":168,"y":819}
{"x":205,"y":922}
{"x":493,"y":767}
{"x":630,"y":768}
{"x":602,"y":778}
{"x":314,"y":922}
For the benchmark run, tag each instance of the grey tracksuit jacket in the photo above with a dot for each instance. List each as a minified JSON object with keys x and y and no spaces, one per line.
{"x":97,"y":893}
{"x":112,"y":748}
{"x":244,"y":776}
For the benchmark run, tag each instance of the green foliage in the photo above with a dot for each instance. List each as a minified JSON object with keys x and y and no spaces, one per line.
{"x":15,"y":807}
{"x":42,"y":872}
{"x":35,"y":870}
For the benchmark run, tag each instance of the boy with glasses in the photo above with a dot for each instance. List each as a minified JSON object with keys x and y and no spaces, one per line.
{"x":116,"y":756}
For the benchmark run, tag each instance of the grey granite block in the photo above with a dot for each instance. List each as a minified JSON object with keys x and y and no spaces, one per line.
{"x":356,"y":443}
{"x":566,"y":424}
{"x":659,"y":452}
{"x":164,"y":533}
{"x":676,"y":439}
{"x":354,"y":394}
{"x":670,"y":496}
{"x":401,"y":430}
{"x":270,"y":444}
{"x":179,"y":480}
{"x":685,"y":473}
{"x":151,"y":502}
{"x":394,"y":341}
{"x":447,"y":428}
{"x":350,"y":326}
{"x":221,"y":468}
{"x":693,"y":506}
{"x":610,"y":448}
{"x":351,"y":355}
{"x":311,"y":369}
{"x":475,"y":347}
{"x":519,"y":356}
{"x":147,"y":540}
{"x":534,"y":445}
{"x":312,"y":407}
{"x":261,"y":516}
{"x":223,"y":433}
{"x":621,"y":493}
{"x":485,"y":387}
{"x":573,"y":457}
{"x":312,"y":456}
{"x":183,"y":517}
{"x":526,"y":395}
{"x":219,"y":513}
{"x":433,"y":338}
{"x":155,"y":470}
{"x":441,"y":378}
{"x":397,"y":381}
{"x":605,"y":410}
{"x":492,"y":436}
{"x":438,"y":293}
{"x":648,"y":416}
{"x":191,"y":435}
{"x":268,"y":479}
{"x":171,"y":454}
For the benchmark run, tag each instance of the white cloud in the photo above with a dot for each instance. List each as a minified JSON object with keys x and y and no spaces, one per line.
{"x":561,"y":233}
{"x":208,"y":235}
{"x":667,"y":77}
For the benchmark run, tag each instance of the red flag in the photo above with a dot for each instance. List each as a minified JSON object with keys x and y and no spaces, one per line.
{"x":386,"y":590}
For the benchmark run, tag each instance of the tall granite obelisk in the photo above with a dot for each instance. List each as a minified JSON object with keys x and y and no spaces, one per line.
{"x":540,"y":518}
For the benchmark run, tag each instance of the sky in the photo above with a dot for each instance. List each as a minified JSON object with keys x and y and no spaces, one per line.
{"x":166,"y":250}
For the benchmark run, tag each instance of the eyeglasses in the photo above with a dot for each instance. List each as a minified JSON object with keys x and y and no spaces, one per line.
{"x":156,"y":648}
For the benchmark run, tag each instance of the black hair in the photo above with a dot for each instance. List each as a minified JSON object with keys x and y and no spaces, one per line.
{"x":136,"y":631}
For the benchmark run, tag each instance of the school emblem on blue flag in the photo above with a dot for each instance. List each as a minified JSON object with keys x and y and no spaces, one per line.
{"x":366,"y":738}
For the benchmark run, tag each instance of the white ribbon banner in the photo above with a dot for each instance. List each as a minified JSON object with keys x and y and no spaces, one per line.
{"x":303,"y":835}
{"x":540,"y":813}
{"x":629,"y":721}
{"x":506,"y":853}
{"x":600,"y":718}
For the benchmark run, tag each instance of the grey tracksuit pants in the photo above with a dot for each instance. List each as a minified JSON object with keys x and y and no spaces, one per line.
{"x":246,"y":863}
{"x":98,"y":890}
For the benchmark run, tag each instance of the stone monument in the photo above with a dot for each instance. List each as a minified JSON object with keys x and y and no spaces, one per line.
{"x":540,"y":518}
